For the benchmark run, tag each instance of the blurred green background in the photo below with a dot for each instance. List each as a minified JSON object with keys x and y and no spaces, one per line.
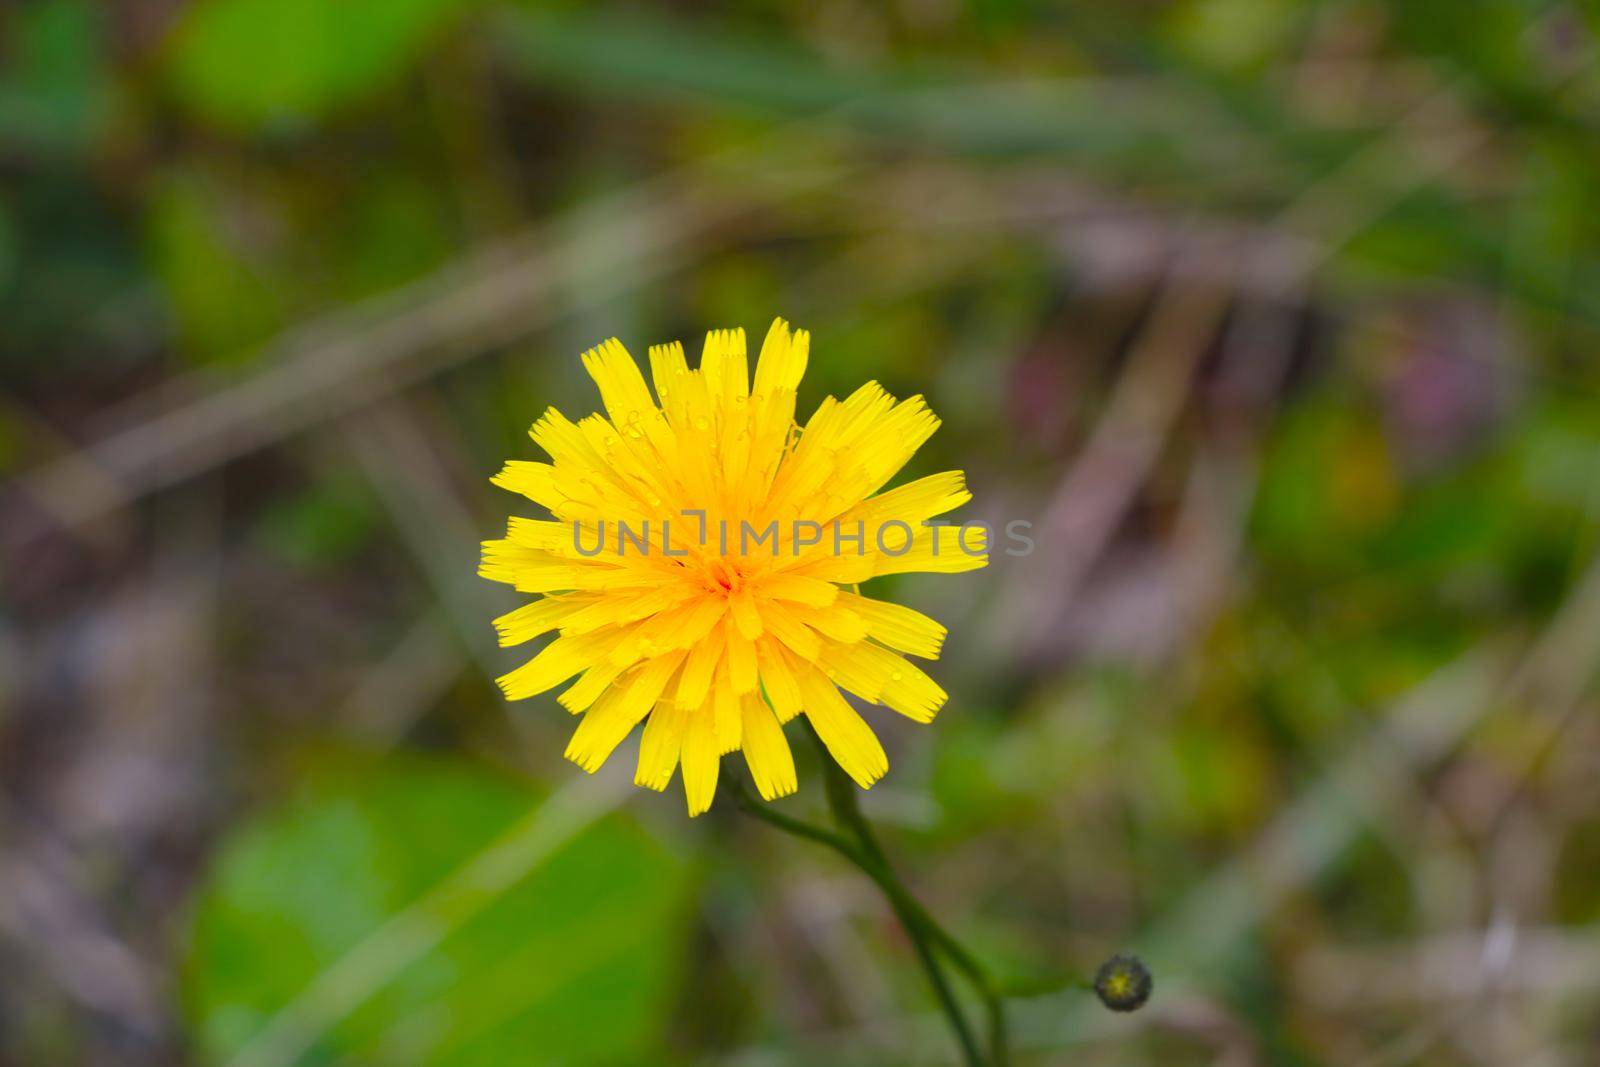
{"x":1275,"y":317}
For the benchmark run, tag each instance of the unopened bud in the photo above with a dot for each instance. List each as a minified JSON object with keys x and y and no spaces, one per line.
{"x":1123,"y":983}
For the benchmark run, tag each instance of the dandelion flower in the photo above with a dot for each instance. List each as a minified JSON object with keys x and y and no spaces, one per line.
{"x":701,"y":563}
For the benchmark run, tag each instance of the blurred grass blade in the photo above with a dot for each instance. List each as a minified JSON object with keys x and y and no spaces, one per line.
{"x":424,"y":912}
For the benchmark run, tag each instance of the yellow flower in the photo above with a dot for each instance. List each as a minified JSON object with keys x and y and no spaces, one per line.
{"x":701,"y":564}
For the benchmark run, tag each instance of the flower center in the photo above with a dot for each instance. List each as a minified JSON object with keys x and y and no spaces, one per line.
{"x":724,"y":575}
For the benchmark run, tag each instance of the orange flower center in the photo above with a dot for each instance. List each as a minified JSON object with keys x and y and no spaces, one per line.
{"x":724,"y":576}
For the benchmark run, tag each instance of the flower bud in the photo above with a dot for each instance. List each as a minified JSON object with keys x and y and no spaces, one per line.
{"x":1123,"y":983}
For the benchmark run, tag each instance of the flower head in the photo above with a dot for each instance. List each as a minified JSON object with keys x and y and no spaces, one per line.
{"x":700,"y":568}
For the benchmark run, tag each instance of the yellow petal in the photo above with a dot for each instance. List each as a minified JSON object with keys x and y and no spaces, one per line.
{"x":897,"y":626}
{"x":777,"y":678}
{"x":846,"y":567}
{"x":909,"y":690}
{"x":800,"y":589}
{"x":725,"y":710}
{"x":700,"y":762}
{"x":850,"y":741}
{"x":587,"y":689}
{"x":602,"y":729}
{"x":782,"y":624}
{"x":874,"y":673}
{"x":915,"y":502}
{"x":742,"y":666}
{"x":766,"y":751}
{"x":625,"y":606}
{"x":555,"y":663}
{"x":667,"y":369}
{"x":536,"y":481}
{"x":622,"y":387}
{"x":611,"y":717}
{"x":676,"y":627}
{"x":539,"y":617}
{"x":533,"y":570}
{"x":648,"y":682}
{"x":723,"y":363}
{"x":954,"y":551}
{"x":782,"y":362}
{"x":543,"y":534}
{"x":745,"y":616}
{"x":560,"y":437}
{"x":695,"y":681}
{"x":701,"y":622}
{"x":660,"y":745}
{"x":835,"y":621}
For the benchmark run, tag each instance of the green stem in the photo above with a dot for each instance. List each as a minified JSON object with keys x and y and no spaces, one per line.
{"x":993,"y":1000}
{"x":845,"y":804}
{"x":1044,"y":985}
{"x":897,"y":898}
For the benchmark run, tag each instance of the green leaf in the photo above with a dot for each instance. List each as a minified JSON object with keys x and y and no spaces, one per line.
{"x":246,"y":63}
{"x":572,"y":963}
